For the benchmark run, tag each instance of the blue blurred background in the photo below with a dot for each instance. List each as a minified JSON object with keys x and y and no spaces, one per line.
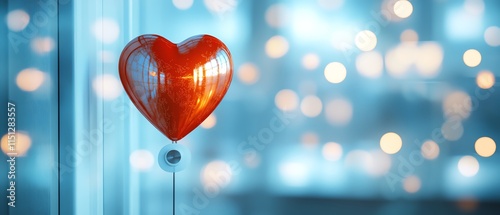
{"x":336,"y":107}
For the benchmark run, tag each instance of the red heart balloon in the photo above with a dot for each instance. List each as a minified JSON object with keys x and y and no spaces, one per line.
{"x":176,"y":86}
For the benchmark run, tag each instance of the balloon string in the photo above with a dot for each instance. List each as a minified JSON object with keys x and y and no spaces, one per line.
{"x":173,"y":188}
{"x":173,"y":194}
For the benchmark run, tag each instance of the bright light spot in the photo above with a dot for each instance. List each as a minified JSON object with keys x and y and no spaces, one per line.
{"x":106,"y":56}
{"x":335,"y":72}
{"x":391,"y":143}
{"x":248,"y":73}
{"x":399,"y":60}
{"x":307,"y":25}
{"x":339,"y":111}
{"x":310,"y":61}
{"x":221,"y":6}
{"x":429,"y":150}
{"x":42,"y":45}
{"x":452,"y":129}
{"x":332,"y":151}
{"x":387,"y":11}
{"x":485,"y":80}
{"x":294,"y":173}
{"x":30,"y":79}
{"x":472,"y":58}
{"x":276,"y":47}
{"x":182,"y":4}
{"x":216,"y":175}
{"x":331,"y":4}
{"x":17,"y":20}
{"x":310,"y":139}
{"x":429,"y":59}
{"x":485,"y":147}
{"x":20,"y":146}
{"x":365,"y":40}
{"x":403,"y":9}
{"x":141,"y":160}
{"x":311,"y":106}
{"x":107,"y":86}
{"x":412,"y":184}
{"x":209,"y":122}
{"x":286,"y":100}
{"x":492,"y":36}
{"x":409,"y":35}
{"x":106,"y":30}
{"x":457,"y":99}
{"x":474,"y":7}
{"x":462,"y":25}
{"x":276,"y":15}
{"x":468,"y":166}
{"x":370,"y":64}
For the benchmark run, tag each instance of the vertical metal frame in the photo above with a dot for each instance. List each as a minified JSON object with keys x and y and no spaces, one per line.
{"x":66,"y":169}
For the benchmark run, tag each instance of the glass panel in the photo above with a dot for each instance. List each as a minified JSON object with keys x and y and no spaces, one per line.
{"x":29,"y":101}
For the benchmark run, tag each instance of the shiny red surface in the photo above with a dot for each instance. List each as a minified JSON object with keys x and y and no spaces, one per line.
{"x":176,"y":86}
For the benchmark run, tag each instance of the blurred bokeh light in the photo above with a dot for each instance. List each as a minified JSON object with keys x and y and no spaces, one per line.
{"x":339,"y":111}
{"x":276,"y":47}
{"x":17,"y":145}
{"x":286,"y":100}
{"x":310,"y":61}
{"x":17,"y":20}
{"x":183,"y":4}
{"x":492,"y":36}
{"x":30,"y":79}
{"x":141,"y":160}
{"x":391,"y":143}
{"x":472,"y":58}
{"x":430,"y":150}
{"x":42,"y":45}
{"x":107,"y":86}
{"x":332,"y":151}
{"x":403,"y":8}
{"x":468,"y":166}
{"x":311,"y":106}
{"x":485,"y":79}
{"x":366,"y":40}
{"x":209,"y":122}
{"x":485,"y":146}
{"x":248,"y":73}
{"x":335,"y":72}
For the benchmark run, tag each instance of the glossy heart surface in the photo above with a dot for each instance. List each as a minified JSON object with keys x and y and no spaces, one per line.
{"x":176,"y":86}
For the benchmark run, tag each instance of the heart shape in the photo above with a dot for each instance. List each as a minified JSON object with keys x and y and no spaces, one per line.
{"x":176,"y":86}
